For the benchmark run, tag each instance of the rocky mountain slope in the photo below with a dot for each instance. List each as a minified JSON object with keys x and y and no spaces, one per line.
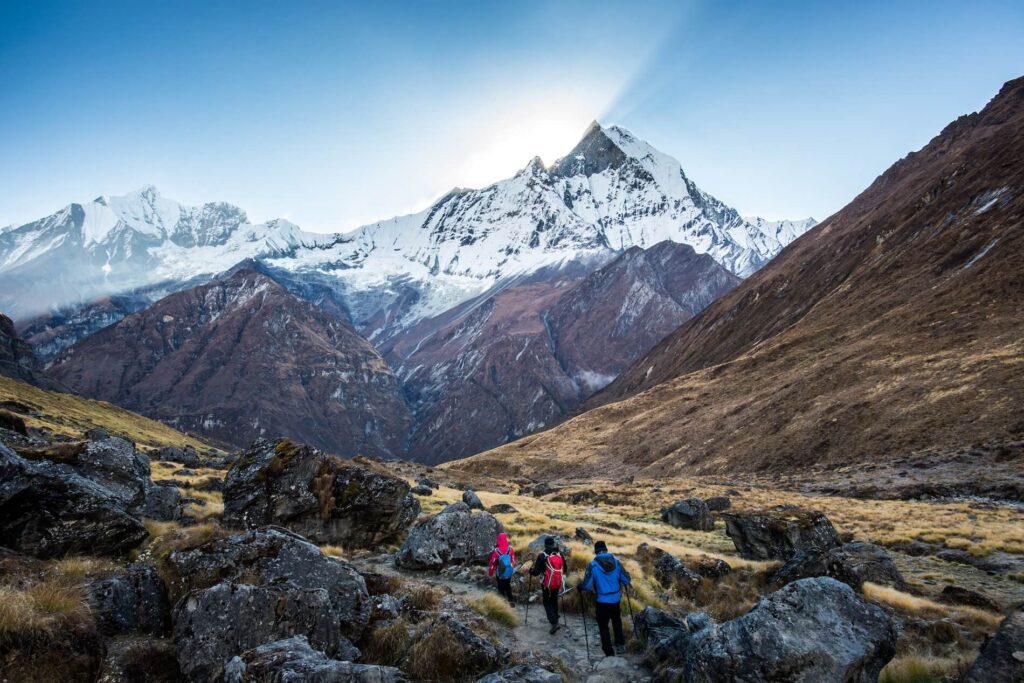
{"x":240,"y":357}
{"x":895,"y":326}
{"x":525,"y":356}
{"x":611,"y":192}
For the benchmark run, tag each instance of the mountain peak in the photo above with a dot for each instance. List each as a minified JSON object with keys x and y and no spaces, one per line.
{"x":594,"y":153}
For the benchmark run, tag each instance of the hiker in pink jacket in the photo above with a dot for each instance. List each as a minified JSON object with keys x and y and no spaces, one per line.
{"x":502,"y":566}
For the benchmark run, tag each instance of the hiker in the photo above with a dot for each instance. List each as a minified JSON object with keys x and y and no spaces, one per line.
{"x":605,"y":577}
{"x":502,"y":566}
{"x":551,"y":565}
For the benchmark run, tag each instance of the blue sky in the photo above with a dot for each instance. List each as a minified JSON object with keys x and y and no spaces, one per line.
{"x":334,"y":115}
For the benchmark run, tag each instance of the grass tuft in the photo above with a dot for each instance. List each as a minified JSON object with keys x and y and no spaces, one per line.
{"x":497,"y":609}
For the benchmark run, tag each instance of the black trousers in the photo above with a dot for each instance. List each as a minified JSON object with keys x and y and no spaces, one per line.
{"x":609,"y":612}
{"x":505,"y":589}
{"x":550,"y":604}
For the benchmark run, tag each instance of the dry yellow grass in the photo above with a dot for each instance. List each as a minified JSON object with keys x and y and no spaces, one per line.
{"x":71,"y":415}
{"x":496,"y":609}
{"x":906,"y":602}
{"x":920,"y":669}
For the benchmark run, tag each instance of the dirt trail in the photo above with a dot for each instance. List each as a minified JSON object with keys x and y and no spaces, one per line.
{"x":567,"y":645}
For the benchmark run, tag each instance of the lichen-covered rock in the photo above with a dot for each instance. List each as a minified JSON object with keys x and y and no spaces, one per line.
{"x":670,"y":572}
{"x":470,"y":498}
{"x":292,"y":659}
{"x":131,"y":600}
{"x":140,"y":658}
{"x":521,"y":673}
{"x":852,"y":563}
{"x":49,"y":510}
{"x":455,"y":535}
{"x":115,"y":464}
{"x":1002,"y":657}
{"x":277,"y":557}
{"x":691,"y":513}
{"x":322,"y":497}
{"x":718,"y":503}
{"x":665,"y":636}
{"x":163,"y":503}
{"x":811,"y":630}
{"x":213,"y":625}
{"x":778,"y":533}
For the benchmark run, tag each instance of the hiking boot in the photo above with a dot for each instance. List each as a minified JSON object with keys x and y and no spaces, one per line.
{"x":620,"y":650}
{"x":554,"y":628}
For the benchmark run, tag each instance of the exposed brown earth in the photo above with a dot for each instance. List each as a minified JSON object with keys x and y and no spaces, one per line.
{"x":240,"y":357}
{"x":896,"y":326}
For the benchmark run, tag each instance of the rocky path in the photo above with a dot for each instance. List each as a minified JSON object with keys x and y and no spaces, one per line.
{"x":567,"y":645}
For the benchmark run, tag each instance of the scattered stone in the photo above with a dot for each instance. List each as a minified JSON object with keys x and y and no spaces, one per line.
{"x":456,"y":535}
{"x":502,"y":509}
{"x":958,"y":595}
{"x":718,"y":503}
{"x":428,"y":482}
{"x":1002,"y":657}
{"x":324,"y":498}
{"x":140,"y":659}
{"x":470,"y":498}
{"x":186,"y":456}
{"x":132,"y":600}
{"x":713,"y":568}
{"x":691,"y":513}
{"x":292,"y":659}
{"x":853,"y":564}
{"x":583,"y":535}
{"x":811,"y":630}
{"x":542,"y":489}
{"x":48,"y":510}
{"x":421,"y":490}
{"x":778,"y":533}
{"x":522,"y":673}
{"x":185,"y":472}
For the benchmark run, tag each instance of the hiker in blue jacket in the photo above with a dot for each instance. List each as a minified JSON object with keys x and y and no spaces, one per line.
{"x":605,"y":577}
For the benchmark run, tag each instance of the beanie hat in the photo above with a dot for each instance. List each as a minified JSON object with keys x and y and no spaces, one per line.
{"x":549,"y":543}
{"x":600,"y":547}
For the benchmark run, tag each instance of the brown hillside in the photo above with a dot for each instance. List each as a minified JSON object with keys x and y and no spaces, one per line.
{"x":897,"y":325}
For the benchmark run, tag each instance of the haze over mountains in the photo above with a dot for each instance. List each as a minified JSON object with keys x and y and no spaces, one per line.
{"x":492,"y":313}
{"x":896,"y":326}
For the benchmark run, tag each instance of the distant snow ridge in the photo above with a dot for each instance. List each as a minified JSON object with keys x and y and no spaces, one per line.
{"x":611,"y":192}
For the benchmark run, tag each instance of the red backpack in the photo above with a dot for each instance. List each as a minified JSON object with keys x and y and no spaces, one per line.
{"x":553,"y":572}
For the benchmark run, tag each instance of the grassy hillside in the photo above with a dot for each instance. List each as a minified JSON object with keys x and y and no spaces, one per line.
{"x":71,"y":415}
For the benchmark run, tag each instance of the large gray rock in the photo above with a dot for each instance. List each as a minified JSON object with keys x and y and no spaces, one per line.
{"x":131,"y":600}
{"x":186,"y":456}
{"x":811,"y":630}
{"x":455,"y":535}
{"x":470,"y":498}
{"x":522,"y":673}
{"x":322,"y":497}
{"x":49,"y":510}
{"x":691,"y":513}
{"x":215,"y":624}
{"x":778,"y":533}
{"x":1002,"y":657}
{"x":665,"y":636}
{"x":293,"y":659}
{"x":163,"y":503}
{"x":718,"y":503}
{"x":852,"y":563}
{"x":277,"y":557}
{"x":115,"y":464}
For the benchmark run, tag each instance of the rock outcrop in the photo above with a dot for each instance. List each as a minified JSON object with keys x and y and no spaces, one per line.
{"x":1002,"y":657}
{"x":852,"y":563}
{"x":319,"y":496}
{"x":811,"y":630}
{"x":692,"y":513}
{"x":131,"y":600}
{"x":778,"y":533}
{"x":456,"y":535}
{"x":292,"y":659}
{"x":49,"y":510}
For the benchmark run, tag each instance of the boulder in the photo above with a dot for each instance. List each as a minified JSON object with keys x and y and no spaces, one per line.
{"x":131,"y":600}
{"x":421,"y":490}
{"x":49,"y":510}
{"x":718,"y":503}
{"x":163,"y":502}
{"x":542,"y":489}
{"x":1002,"y":656}
{"x":322,"y":497}
{"x":456,"y":535}
{"x":536,"y":546}
{"x":522,"y":673}
{"x":186,"y":456}
{"x":502,"y":509}
{"x":691,"y":513}
{"x":428,"y":482}
{"x":852,"y":563}
{"x":583,"y":535}
{"x":778,"y":533}
{"x":811,"y":630}
{"x":957,"y":595}
{"x":139,"y":658}
{"x":470,"y":498}
{"x":665,"y":636}
{"x":292,"y":659}
{"x":97,"y":434}
{"x":713,"y":568}
{"x":115,"y":464}
{"x":215,"y":624}
{"x":670,"y":572}
{"x":476,"y":655}
{"x":277,"y":557}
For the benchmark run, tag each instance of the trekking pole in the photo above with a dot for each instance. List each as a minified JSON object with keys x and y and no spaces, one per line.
{"x":632,"y":619}
{"x":529,"y":592}
{"x":561,"y":609}
{"x":583,"y":614}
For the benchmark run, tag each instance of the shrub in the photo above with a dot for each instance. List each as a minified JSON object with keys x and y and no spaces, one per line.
{"x":496,"y":609}
{"x":387,"y":644}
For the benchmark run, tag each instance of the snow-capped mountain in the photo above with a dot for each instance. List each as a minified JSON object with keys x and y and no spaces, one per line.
{"x":611,"y":192}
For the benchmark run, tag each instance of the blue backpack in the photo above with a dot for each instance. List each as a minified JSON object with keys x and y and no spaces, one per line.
{"x":505,"y":569}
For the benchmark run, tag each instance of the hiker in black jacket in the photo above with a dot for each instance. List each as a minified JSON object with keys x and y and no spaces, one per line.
{"x":551,"y":566}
